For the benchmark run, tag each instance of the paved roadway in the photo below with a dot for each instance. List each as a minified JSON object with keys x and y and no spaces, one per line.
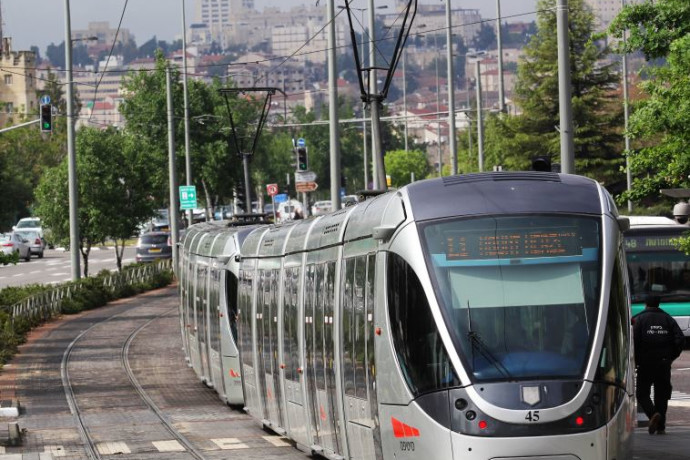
{"x":55,"y":267}
{"x":121,"y":425}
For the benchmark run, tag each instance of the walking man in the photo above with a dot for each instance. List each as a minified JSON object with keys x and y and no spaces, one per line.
{"x":658,"y":341}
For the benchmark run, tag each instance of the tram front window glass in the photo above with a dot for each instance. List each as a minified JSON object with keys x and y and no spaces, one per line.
{"x":520,"y":293}
{"x":421,"y":354}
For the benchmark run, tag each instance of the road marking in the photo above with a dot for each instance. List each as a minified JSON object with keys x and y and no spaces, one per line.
{"x":2,"y":450}
{"x":35,"y":271}
{"x":17,"y":275}
{"x":55,"y":450}
{"x":683,"y":369}
{"x":278,"y":441}
{"x":169,"y":446}
{"x":58,"y":274}
{"x":113,"y":448}
{"x":230,"y":443}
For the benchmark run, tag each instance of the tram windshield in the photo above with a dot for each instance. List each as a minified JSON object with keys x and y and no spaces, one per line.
{"x":520,"y":293}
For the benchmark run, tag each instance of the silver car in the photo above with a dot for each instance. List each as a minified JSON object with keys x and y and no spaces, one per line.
{"x":11,"y":243}
{"x":35,"y":242}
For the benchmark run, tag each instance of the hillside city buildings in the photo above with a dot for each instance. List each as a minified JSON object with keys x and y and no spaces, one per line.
{"x":286,"y":49}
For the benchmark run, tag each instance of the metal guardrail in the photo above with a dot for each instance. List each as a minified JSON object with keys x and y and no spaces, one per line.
{"x":45,"y":305}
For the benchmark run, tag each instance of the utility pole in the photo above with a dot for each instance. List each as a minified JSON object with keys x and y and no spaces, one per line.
{"x":564,"y":92}
{"x":172,"y":173}
{"x":480,"y":121}
{"x":453,"y":150}
{"x":333,"y":109}
{"x":187,"y":158}
{"x":626,"y":112}
{"x":71,"y":155}
{"x":499,"y":41}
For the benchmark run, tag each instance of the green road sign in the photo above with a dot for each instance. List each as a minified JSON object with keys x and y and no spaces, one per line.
{"x":187,"y":197}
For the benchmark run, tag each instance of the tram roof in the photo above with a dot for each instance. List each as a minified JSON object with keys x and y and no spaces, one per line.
{"x":504,"y":193}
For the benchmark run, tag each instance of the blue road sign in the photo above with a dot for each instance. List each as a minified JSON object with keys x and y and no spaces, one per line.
{"x":280,"y":198}
{"x":45,"y":99}
{"x":301,"y":142}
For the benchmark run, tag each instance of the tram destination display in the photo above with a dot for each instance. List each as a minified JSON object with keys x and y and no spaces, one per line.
{"x":492,"y":244}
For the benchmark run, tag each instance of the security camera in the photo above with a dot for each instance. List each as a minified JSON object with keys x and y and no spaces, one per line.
{"x":681,"y":212}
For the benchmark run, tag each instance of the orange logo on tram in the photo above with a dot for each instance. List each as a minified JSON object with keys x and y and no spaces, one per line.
{"x":233,"y":373}
{"x":402,"y":430}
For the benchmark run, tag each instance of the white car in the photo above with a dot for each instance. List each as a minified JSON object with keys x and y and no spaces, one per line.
{"x":12,"y":243}
{"x":321,"y":207}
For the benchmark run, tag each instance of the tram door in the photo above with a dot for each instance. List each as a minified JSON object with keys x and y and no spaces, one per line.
{"x":295,"y":417}
{"x":358,"y":365}
{"x":310,"y":352}
{"x":262,"y":349}
{"x":269,"y":339}
{"x":214,"y":317}
{"x":324,"y":397}
{"x":190,"y":320}
{"x":201,"y":305}
{"x":245,"y":342}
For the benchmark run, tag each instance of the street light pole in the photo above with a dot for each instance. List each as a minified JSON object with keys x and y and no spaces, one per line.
{"x":564,"y":90}
{"x":626,"y":112}
{"x":499,"y":41}
{"x":71,"y":155}
{"x":188,"y":161}
{"x":438,"y":114}
{"x":333,"y":109}
{"x":453,"y":150}
{"x":480,"y":122}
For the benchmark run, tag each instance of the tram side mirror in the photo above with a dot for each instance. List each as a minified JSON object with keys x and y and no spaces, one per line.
{"x":624,"y":223}
{"x":383,"y":232}
{"x":681,"y":212}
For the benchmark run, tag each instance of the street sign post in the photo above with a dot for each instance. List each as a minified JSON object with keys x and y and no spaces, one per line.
{"x":305,"y":176}
{"x":272,"y":189}
{"x":187,"y":197}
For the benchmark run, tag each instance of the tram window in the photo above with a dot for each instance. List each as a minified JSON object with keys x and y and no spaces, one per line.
{"x":290,"y":319}
{"x":421,"y":354}
{"x":245,"y":312}
{"x":348,"y":329}
{"x":360,"y":329}
{"x":214,"y":310}
{"x":613,"y":361}
{"x":369,"y":297}
{"x":231,"y":299}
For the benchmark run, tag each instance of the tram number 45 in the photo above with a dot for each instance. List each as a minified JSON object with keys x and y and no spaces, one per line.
{"x":532,"y":416}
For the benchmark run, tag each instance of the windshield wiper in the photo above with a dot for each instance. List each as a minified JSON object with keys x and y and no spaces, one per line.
{"x":483,"y":349}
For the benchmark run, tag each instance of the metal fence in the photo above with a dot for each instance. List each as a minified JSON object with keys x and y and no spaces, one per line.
{"x":45,"y":305}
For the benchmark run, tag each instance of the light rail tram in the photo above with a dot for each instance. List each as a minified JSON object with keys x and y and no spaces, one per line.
{"x":480,"y":316}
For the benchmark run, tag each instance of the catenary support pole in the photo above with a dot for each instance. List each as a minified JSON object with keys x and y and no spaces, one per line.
{"x":187,"y":158}
{"x":564,"y":91}
{"x":71,"y":155}
{"x":452,"y":146}
{"x":333,"y":109}
{"x":172,"y":173}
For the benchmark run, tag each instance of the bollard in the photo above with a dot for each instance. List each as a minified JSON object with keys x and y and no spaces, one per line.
{"x":15,"y":436}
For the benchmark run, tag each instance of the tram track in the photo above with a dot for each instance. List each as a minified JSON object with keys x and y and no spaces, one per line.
{"x":89,"y":441}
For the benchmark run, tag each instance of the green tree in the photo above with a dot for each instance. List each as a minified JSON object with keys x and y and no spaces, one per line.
{"x":660,"y":123}
{"x":400,"y":165}
{"x":597,"y":112}
{"x":112,"y":192}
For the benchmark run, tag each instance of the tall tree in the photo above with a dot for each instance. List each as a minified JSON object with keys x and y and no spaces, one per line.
{"x":401,"y":164}
{"x":661,"y":122}
{"x":597,"y":112}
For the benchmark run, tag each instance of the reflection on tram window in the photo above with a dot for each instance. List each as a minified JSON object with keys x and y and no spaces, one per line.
{"x":520,"y":293}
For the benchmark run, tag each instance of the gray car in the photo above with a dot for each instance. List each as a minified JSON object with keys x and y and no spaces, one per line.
{"x":35,"y":242}
{"x":153,"y":246}
{"x":12,"y":243}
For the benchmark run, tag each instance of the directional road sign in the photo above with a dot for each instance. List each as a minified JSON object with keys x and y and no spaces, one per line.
{"x":187,"y":197}
{"x":306,"y":186}
{"x":280,"y":198}
{"x":305,"y":176}
{"x":301,"y":142}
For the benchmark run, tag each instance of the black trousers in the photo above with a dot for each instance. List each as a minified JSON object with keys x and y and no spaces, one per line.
{"x":659,"y":375}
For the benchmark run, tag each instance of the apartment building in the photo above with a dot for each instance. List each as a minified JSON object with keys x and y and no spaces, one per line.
{"x":17,"y":83}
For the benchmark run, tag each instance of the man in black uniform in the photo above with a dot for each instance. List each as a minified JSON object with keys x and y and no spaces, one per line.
{"x":658,"y":341}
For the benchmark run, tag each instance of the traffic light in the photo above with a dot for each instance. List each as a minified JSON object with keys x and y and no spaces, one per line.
{"x":46,"y":118}
{"x":240,"y":199}
{"x":302,"y":159}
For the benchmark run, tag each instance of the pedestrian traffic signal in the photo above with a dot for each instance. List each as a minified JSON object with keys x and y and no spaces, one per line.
{"x":46,"y":118}
{"x":302,"y":159}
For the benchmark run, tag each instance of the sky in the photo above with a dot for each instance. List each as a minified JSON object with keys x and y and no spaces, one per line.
{"x":42,"y":22}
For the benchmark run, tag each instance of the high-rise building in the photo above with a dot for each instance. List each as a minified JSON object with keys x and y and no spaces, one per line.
{"x":606,"y":10}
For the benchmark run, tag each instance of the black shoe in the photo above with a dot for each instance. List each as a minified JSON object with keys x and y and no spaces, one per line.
{"x":654,"y":423}
{"x":661,"y":431}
